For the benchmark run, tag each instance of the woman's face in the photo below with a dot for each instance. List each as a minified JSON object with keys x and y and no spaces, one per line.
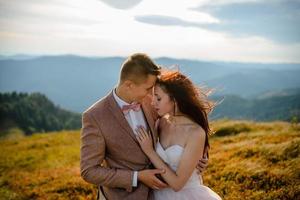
{"x":162,"y":102}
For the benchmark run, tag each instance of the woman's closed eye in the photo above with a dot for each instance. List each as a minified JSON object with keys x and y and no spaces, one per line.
{"x":158,"y":98}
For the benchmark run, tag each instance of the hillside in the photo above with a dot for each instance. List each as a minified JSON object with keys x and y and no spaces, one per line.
{"x":31,"y":113}
{"x":249,"y":83}
{"x":281,"y":105}
{"x":247,"y":161}
{"x":34,"y":113}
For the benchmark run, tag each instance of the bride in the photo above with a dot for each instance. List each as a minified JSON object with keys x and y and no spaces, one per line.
{"x":183,"y":129}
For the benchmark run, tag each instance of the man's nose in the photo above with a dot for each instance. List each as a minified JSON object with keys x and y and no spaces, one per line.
{"x":149,"y":95}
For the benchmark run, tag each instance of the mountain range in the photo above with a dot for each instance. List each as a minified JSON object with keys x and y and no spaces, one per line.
{"x":75,"y":82}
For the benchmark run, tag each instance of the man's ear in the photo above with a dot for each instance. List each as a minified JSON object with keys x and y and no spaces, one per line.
{"x":128,"y":84}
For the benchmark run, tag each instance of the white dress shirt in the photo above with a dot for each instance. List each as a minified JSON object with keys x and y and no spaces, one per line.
{"x":134,"y":119}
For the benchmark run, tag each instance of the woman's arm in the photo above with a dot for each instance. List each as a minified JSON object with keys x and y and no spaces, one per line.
{"x":193,"y":151}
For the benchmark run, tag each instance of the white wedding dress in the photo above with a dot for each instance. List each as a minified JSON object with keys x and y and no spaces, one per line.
{"x":193,"y":189}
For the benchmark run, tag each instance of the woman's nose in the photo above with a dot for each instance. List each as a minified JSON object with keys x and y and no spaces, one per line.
{"x":152,"y":102}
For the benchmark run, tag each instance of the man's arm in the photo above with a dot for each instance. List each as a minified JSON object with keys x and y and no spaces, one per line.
{"x":92,"y":154}
{"x":203,"y":162}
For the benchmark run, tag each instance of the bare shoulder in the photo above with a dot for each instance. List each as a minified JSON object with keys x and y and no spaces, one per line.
{"x":196,"y":132}
{"x":196,"y":139}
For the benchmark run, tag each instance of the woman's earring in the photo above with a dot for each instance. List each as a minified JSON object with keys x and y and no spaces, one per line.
{"x":175,"y":107}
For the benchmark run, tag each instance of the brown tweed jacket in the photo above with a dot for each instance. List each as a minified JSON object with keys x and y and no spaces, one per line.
{"x":110,"y":152}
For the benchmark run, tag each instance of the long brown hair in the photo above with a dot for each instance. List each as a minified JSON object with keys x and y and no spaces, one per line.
{"x":190,"y":100}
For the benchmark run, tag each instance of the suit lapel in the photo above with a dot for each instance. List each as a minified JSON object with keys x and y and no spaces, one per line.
{"x":120,"y":118}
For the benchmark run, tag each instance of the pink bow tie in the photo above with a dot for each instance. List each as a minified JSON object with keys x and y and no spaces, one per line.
{"x":134,"y":106}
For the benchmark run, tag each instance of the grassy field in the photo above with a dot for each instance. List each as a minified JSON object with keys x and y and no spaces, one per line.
{"x":247,"y":161}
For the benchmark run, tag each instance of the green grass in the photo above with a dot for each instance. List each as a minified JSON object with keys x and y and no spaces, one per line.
{"x":248,"y":160}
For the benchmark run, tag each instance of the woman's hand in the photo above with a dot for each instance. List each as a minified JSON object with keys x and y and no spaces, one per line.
{"x":145,"y":140}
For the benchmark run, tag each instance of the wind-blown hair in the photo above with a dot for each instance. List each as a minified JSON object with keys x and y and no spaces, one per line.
{"x":190,"y":100}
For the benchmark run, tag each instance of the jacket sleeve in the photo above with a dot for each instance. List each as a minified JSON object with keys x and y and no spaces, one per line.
{"x":92,"y":154}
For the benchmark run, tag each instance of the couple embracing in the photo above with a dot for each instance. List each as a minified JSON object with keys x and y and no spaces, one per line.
{"x":148,"y":138}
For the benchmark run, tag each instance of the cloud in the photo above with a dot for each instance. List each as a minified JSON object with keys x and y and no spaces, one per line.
{"x":276,"y":20}
{"x":37,"y":12}
{"x":123,"y":4}
{"x":165,"y":21}
{"x":161,"y":28}
{"x":171,"y":12}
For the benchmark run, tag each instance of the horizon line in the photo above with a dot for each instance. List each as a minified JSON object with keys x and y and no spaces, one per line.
{"x":33,"y":56}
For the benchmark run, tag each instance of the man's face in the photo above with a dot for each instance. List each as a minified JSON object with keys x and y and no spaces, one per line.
{"x":141,"y":90}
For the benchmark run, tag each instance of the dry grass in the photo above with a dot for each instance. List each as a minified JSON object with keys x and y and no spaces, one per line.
{"x":248,"y":160}
{"x":259,"y":162}
{"x":43,"y":166}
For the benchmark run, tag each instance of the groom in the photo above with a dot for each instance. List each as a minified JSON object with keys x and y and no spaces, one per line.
{"x":111,"y":157}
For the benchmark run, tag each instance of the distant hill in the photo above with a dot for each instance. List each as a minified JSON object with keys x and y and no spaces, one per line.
{"x":34,"y":113}
{"x":281,"y":105}
{"x":18,"y":57}
{"x":70,"y":81}
{"x":76,"y":82}
{"x":250,"y":83}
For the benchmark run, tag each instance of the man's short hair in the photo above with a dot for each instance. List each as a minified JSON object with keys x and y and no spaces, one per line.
{"x":137,"y":67}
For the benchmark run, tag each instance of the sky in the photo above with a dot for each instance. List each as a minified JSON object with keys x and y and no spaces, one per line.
{"x":266,"y":31}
